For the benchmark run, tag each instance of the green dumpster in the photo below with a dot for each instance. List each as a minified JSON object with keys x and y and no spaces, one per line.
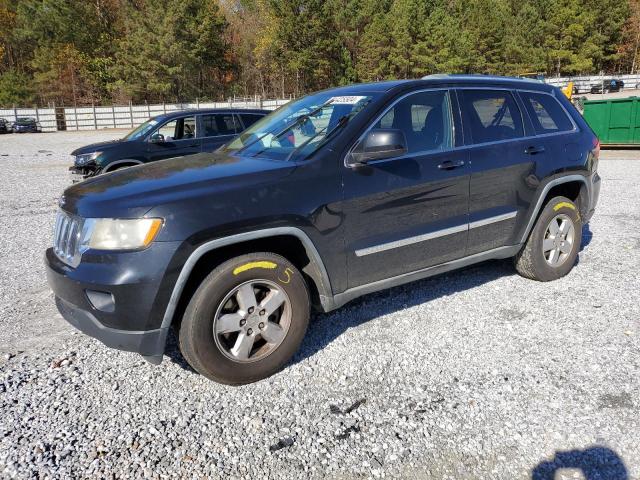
{"x":615,"y":121}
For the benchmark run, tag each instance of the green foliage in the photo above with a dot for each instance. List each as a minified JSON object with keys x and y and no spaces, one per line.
{"x":15,"y":89}
{"x":71,"y":51}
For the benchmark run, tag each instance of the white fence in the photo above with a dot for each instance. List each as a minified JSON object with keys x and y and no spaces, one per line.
{"x":127,"y":116}
{"x":584,"y":83}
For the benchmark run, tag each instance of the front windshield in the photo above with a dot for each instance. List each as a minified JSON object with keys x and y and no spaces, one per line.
{"x":298,"y":128}
{"x":141,"y":130}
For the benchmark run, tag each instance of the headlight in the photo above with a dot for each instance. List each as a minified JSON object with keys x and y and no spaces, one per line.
{"x":86,"y":158}
{"x":119,"y":234}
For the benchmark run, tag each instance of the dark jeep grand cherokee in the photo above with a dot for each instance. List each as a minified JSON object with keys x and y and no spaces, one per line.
{"x":336,"y":195}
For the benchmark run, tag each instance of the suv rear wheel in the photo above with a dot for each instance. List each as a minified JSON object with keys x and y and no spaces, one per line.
{"x":246,"y":319}
{"x":552,"y":247}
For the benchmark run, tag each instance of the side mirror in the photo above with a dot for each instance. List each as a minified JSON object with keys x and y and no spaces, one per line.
{"x":156,"y":138}
{"x":379,"y":144}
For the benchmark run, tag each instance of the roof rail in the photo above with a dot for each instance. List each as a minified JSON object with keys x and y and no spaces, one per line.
{"x":472,"y":76}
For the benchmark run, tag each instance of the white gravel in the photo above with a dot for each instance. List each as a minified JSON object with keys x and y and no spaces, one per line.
{"x":475,"y":374}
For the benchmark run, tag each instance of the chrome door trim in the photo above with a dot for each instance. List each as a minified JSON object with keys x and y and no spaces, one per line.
{"x":488,"y":221}
{"x":403,"y":242}
{"x":354,"y":292}
{"x":411,"y":240}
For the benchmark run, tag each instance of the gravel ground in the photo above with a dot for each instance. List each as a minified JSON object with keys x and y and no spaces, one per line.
{"x":474,"y":374}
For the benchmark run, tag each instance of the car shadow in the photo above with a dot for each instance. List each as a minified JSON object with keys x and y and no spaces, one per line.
{"x":595,"y":463}
{"x":587,"y":236}
{"x":326,"y":327}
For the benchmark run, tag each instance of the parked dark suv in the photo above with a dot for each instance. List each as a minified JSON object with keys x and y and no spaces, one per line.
{"x":174,"y":134}
{"x":336,"y":195}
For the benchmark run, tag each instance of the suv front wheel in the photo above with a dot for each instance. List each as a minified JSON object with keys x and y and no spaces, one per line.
{"x":552,"y":247}
{"x":246,"y":319}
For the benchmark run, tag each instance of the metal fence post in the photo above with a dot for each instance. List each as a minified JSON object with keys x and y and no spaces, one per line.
{"x":131,"y":113}
{"x":164,"y":107}
{"x":35,"y":107}
{"x":113,"y":114}
{"x":95,"y":117}
{"x":75,"y":116}
{"x":148,"y":109}
{"x":15,"y":114}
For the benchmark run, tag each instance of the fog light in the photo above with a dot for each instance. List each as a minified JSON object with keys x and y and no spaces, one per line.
{"x":102,"y":301}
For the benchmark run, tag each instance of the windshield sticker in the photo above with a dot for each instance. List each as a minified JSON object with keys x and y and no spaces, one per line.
{"x":346,"y":100}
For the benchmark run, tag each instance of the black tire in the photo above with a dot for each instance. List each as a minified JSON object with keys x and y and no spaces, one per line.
{"x":531,"y":261}
{"x":203,"y":350}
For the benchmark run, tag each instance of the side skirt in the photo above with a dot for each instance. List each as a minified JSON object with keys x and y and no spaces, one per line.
{"x":498,"y":253}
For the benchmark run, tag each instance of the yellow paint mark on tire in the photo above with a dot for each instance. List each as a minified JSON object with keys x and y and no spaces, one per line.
{"x":251,"y":265}
{"x":564,"y":204}
{"x":288,"y":272}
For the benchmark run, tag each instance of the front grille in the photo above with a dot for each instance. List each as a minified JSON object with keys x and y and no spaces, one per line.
{"x":66,"y":238}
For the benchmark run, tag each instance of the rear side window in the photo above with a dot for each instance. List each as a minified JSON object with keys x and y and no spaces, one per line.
{"x":228,"y":124}
{"x":249,"y":119}
{"x":425,"y":119}
{"x":546,"y":113}
{"x":220,"y":124}
{"x":492,"y":115}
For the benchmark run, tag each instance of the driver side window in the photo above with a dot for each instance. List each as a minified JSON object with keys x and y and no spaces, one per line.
{"x":178,"y":129}
{"x":425,"y":120}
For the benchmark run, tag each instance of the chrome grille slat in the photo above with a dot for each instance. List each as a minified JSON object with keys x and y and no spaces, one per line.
{"x":66,"y":238}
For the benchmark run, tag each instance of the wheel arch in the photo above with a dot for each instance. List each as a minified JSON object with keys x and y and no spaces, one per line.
{"x":574,"y":187}
{"x":290,"y":242}
{"x":128,"y":162}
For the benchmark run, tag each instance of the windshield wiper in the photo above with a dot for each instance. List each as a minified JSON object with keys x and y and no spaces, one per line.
{"x":298,"y":121}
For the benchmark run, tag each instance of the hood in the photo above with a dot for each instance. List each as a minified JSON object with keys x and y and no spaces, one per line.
{"x":132,"y":192}
{"x":97,"y":147}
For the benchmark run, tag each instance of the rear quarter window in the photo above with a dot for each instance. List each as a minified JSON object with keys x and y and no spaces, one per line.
{"x":546,"y":113}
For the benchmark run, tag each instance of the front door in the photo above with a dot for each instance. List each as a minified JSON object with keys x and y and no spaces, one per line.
{"x":407,"y":213}
{"x":175,"y":138}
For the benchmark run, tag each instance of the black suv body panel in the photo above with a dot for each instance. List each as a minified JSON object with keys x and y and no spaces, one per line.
{"x":363,"y":228}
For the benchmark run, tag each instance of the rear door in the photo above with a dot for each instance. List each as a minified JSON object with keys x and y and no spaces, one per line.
{"x":217,"y":129}
{"x":175,"y":138}
{"x":410,"y":212}
{"x":503,"y":157}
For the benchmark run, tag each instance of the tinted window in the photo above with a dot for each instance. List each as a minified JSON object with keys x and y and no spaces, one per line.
{"x":220,"y":124}
{"x":178,"y":129}
{"x":209,"y":126}
{"x":546,"y":113}
{"x":228,"y":124}
{"x":425,"y":119}
{"x":249,"y":119}
{"x":492,"y":115}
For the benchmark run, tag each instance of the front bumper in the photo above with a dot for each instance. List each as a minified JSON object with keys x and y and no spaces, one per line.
{"x":137,"y":283}
{"x":83,"y":172}
{"x":148,"y":343}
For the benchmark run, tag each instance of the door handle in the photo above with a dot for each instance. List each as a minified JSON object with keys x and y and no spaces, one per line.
{"x":532,"y":150}
{"x":449,"y":165}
